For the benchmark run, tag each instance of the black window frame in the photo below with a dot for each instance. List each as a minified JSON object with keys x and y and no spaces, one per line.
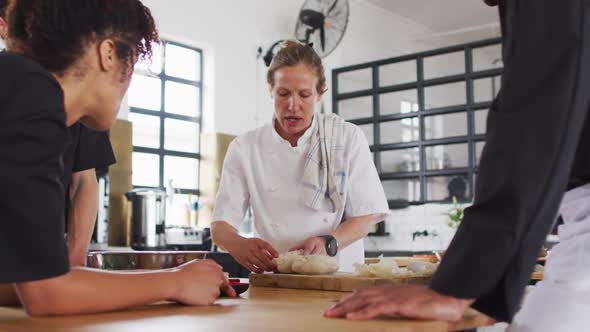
{"x":161,"y":152}
{"x":468,"y":76}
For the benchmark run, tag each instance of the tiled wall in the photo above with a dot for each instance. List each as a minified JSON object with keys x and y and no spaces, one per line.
{"x":401,"y":224}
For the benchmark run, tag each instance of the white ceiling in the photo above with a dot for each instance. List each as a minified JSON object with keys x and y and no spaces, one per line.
{"x":457,"y":21}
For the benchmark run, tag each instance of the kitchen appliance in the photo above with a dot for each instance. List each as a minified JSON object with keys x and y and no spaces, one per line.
{"x":148,"y":219}
{"x":188,"y":238}
{"x":322,"y":22}
{"x":100,"y":234}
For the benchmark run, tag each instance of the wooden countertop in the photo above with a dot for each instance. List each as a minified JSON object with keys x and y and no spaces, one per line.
{"x":260,"y":309}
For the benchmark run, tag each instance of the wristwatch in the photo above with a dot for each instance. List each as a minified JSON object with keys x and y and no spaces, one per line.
{"x":331,"y":245}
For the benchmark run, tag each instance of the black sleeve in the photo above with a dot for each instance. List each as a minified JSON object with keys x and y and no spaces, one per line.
{"x":534,"y":128}
{"x":93,"y":150}
{"x":33,"y":138}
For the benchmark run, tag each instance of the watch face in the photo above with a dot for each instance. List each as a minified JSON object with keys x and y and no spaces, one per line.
{"x":331,"y":246}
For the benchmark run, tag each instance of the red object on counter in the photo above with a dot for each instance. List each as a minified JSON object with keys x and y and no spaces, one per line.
{"x":239,"y":287}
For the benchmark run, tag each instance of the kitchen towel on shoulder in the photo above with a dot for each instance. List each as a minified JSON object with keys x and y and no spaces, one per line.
{"x":324,"y":175}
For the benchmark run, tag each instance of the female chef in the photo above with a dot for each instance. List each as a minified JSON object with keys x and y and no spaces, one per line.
{"x":309,"y":177}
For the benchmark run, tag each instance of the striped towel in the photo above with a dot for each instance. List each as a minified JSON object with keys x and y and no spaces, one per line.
{"x":324,"y":174}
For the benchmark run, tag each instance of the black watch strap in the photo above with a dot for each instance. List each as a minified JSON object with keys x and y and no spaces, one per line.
{"x":331,"y":245}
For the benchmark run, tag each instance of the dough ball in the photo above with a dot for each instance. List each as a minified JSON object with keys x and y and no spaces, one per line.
{"x":385,"y":268}
{"x":421,"y":267}
{"x":315,"y":264}
{"x":285,"y":261}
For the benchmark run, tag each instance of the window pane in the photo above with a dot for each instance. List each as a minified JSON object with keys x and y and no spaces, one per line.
{"x":481,"y":118}
{"x":183,"y":62}
{"x":146,"y":130}
{"x":404,"y":130}
{"x":486,"y":89}
{"x":408,"y":189}
{"x":448,"y":125}
{"x":356,"y":108}
{"x":488,"y":57}
{"x":405,"y":160}
{"x":182,"y":99}
{"x":356,"y":80}
{"x":368,"y":130}
{"x":446,"y":187}
{"x":146,"y":169}
{"x":447,"y":156}
{"x":397,"y":73}
{"x":478,"y":149}
{"x":398,"y":102}
{"x":181,"y":135}
{"x":445,"y":95}
{"x":182,"y":171}
{"x":153,"y":65}
{"x":144,"y":92}
{"x":444,"y":65}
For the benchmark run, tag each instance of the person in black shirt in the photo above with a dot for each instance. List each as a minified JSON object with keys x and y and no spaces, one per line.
{"x":88,"y":151}
{"x":537,"y":147}
{"x":58,"y":72}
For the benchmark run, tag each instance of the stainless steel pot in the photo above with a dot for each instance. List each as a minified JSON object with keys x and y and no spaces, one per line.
{"x":148,"y":219}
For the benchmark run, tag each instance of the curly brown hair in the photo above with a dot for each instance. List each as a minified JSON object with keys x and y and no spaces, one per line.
{"x":56,"y":33}
{"x":292,"y":53}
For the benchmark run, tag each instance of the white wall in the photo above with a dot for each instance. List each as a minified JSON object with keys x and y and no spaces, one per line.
{"x":236,"y":98}
{"x":230,"y":31}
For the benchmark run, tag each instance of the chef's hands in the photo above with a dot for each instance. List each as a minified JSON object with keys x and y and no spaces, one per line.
{"x":312,"y":246}
{"x":254,"y":254}
{"x":404,"y":300}
{"x":201,"y":282}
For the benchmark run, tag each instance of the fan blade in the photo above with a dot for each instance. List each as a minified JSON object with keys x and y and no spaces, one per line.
{"x":323,"y":38}
{"x":312,"y":18}
{"x":331,"y":8}
{"x":308,"y":33}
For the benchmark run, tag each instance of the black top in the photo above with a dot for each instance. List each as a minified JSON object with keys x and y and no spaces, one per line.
{"x":537,"y":143}
{"x":88,"y":149}
{"x":33,"y":138}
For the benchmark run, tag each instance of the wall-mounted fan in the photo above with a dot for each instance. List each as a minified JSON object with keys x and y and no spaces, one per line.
{"x":322,"y":22}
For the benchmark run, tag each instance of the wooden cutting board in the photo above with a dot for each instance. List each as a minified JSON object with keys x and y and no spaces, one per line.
{"x":401,"y":261}
{"x":342,"y":282}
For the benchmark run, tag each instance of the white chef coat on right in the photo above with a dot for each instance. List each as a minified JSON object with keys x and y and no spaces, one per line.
{"x":561,"y":302}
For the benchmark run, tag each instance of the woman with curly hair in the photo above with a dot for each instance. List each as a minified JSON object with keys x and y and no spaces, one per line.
{"x":70,"y":61}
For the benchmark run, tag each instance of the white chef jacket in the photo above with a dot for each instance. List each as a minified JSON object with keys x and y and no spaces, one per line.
{"x":263,"y":169}
{"x":561,"y":302}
